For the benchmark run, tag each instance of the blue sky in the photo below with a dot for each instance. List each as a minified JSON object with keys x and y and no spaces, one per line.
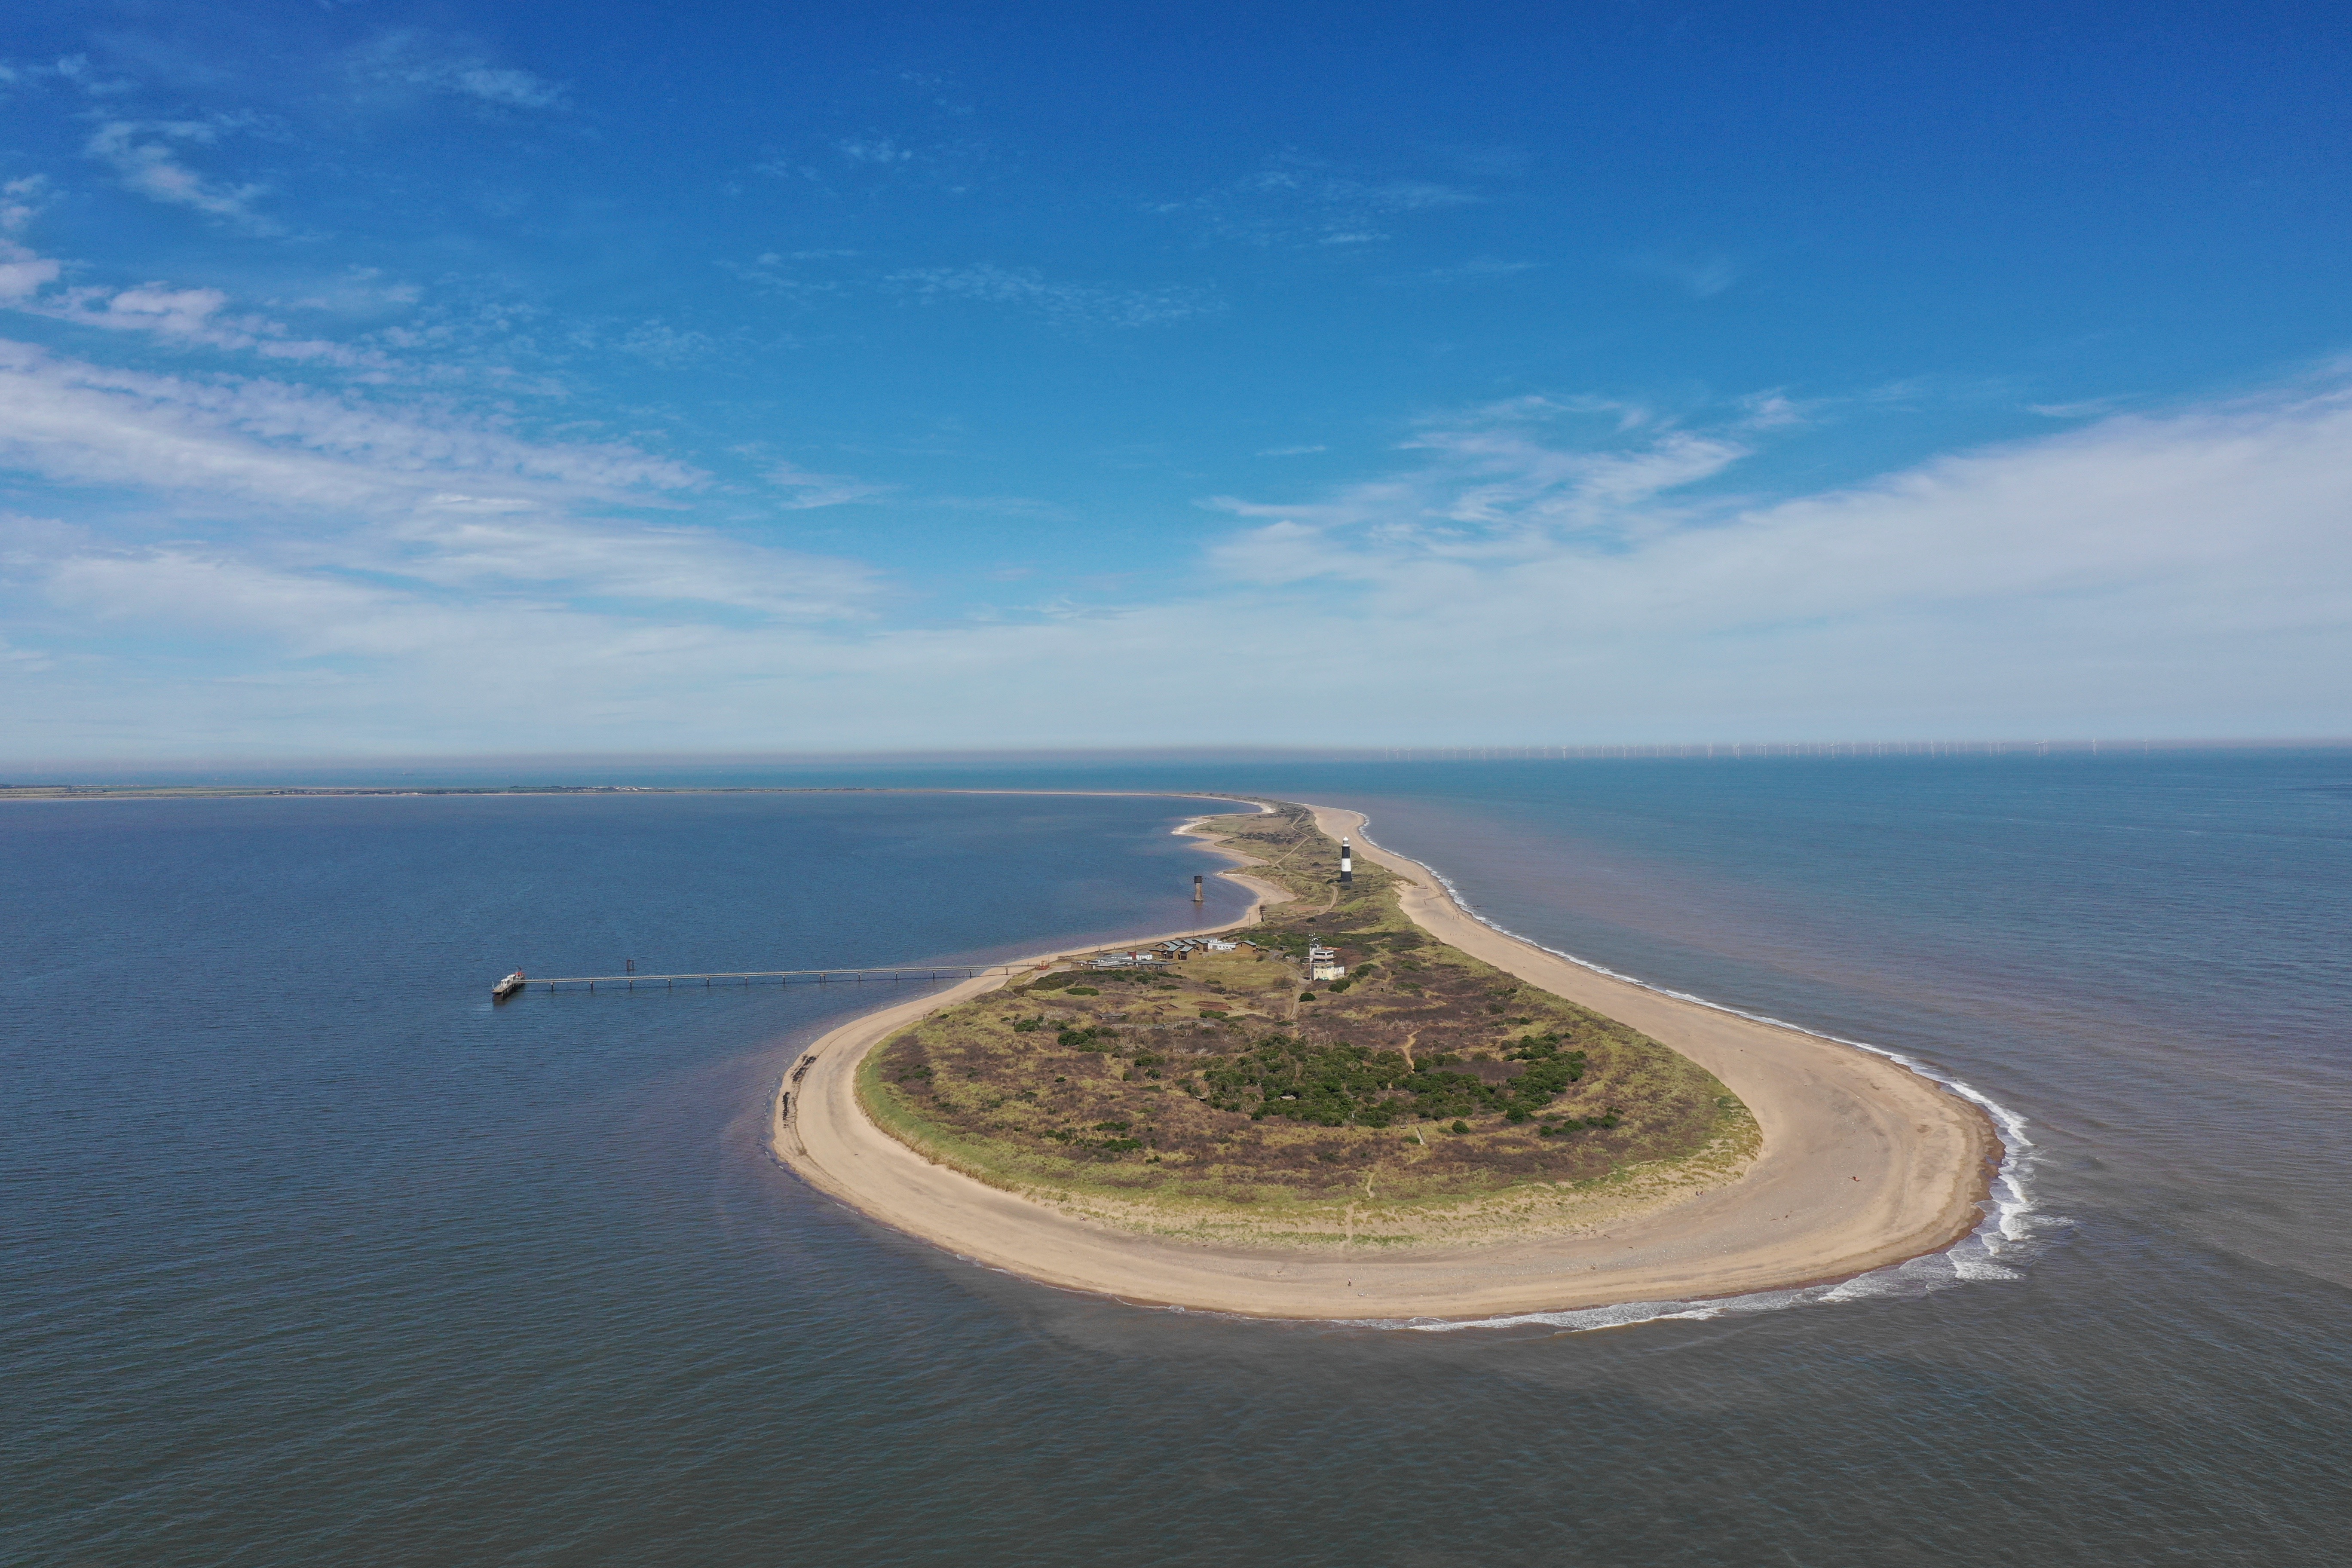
{"x":392,"y":378}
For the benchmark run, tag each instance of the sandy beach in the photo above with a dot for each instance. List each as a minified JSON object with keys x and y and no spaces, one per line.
{"x":1863,"y":1163}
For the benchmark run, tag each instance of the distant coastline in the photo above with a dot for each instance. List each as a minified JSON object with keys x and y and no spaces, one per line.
{"x":338,"y":791}
{"x":1863,"y":1163}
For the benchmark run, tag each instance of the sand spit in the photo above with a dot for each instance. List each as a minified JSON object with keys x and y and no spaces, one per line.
{"x":1863,"y":1163}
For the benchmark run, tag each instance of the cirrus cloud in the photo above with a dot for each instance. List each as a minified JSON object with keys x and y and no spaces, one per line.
{"x":1554,"y":571}
{"x":146,"y":158}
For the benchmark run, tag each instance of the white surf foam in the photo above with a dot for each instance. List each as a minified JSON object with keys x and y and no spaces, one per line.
{"x":2012,"y":1234}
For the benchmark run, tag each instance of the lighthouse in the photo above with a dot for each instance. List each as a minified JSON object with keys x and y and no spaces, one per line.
{"x":1347,"y":865}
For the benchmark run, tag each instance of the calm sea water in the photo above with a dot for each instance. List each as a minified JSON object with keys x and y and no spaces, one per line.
{"x":314,"y":1256}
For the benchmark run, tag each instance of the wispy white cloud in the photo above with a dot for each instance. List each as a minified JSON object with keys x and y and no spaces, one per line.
{"x":23,"y":660}
{"x":187,"y":317}
{"x":881,"y":149}
{"x":767,"y":273}
{"x":443,"y":579}
{"x":1296,"y":200}
{"x":1772,"y":411}
{"x":954,"y":165}
{"x":74,"y":70}
{"x":804,"y":491}
{"x":2089,"y":408}
{"x":21,"y":200}
{"x":2193,"y":567}
{"x":160,"y":307}
{"x":667,"y":344}
{"x":1498,"y":482}
{"x":23,"y":274}
{"x":1065,"y":304}
{"x":337,"y":529}
{"x":454,"y":545}
{"x":356,"y":290}
{"x":502,"y":85}
{"x":1478,"y":269}
{"x":1704,"y":279}
{"x":145,"y":156}
{"x":183,"y":588}
{"x":803,"y":277}
{"x":277,"y":444}
{"x":1535,"y":570}
{"x":452,"y":68}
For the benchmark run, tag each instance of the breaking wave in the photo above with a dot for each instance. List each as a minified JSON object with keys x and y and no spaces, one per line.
{"x":2013,"y":1232}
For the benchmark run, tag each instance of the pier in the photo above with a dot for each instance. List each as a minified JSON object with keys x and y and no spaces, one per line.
{"x":914,"y":973}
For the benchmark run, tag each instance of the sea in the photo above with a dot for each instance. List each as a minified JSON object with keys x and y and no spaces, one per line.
{"x":315,"y":1255}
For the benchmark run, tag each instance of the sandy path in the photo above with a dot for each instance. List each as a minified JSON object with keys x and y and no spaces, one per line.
{"x":1864,"y":1163}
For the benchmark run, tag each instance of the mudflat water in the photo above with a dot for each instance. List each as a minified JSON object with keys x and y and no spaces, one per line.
{"x":313,"y":1254}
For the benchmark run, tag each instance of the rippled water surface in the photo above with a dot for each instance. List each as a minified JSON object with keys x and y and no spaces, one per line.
{"x":315,"y":1256}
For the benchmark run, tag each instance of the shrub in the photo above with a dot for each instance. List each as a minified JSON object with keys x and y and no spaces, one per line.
{"x":1306,"y":996}
{"x":1084,"y":991}
{"x":1460,"y":1126}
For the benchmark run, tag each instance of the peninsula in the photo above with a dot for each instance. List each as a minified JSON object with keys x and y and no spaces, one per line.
{"x":1363,"y":1103}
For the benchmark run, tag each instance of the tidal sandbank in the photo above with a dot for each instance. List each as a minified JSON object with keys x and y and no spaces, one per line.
{"x":1863,"y":1163}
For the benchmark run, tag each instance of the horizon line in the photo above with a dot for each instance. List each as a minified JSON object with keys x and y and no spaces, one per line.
{"x":18,"y":775}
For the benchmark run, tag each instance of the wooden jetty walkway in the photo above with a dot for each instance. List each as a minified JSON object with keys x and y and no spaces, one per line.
{"x":911,"y":972}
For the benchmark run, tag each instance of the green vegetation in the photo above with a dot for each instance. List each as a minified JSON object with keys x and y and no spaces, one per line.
{"x":1219,"y":1084}
{"x":1340,"y":1085}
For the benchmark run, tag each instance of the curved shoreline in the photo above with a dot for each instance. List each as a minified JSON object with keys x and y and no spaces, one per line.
{"x":1864,"y":1163}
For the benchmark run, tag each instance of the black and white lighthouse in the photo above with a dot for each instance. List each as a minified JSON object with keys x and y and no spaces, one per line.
{"x":1347,"y":865}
